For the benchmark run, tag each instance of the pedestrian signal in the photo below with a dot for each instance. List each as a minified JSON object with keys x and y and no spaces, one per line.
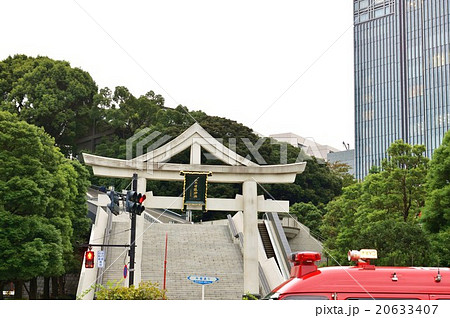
{"x":89,"y":259}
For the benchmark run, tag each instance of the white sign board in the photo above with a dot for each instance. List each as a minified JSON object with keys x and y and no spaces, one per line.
{"x":101,"y":259}
{"x":202,"y":280}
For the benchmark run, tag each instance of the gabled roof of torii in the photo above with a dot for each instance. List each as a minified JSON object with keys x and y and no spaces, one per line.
{"x":154,"y":164}
{"x":196,"y":134}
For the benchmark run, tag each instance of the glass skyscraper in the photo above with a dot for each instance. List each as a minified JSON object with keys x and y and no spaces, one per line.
{"x":402,"y":73}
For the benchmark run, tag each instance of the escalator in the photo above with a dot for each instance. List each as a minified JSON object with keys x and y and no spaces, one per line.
{"x":268,"y":247}
{"x":275,"y":243}
{"x":274,"y":265}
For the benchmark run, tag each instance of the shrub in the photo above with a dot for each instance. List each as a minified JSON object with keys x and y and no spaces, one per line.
{"x":145,"y":291}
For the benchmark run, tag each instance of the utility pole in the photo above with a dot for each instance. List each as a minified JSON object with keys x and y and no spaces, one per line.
{"x":133,"y":234}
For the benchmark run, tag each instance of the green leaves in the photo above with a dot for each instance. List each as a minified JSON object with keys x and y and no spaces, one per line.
{"x":404,"y":175}
{"x":398,"y":243}
{"x":381,"y":212}
{"x":309,"y":215}
{"x":41,"y":194}
{"x":49,"y":94}
{"x":436,"y":214}
{"x":29,"y":247}
{"x":145,"y":291}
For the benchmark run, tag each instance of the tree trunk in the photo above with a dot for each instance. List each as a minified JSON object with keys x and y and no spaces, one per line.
{"x":26,"y":288}
{"x":46,"y":287}
{"x":405,"y":200}
{"x":2,"y":284}
{"x":61,"y":285}
{"x":18,"y":289}
{"x":33,"y":288}
{"x":54,"y":287}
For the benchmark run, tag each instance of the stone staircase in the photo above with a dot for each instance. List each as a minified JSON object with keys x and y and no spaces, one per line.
{"x":193,"y":249}
{"x":116,"y":257}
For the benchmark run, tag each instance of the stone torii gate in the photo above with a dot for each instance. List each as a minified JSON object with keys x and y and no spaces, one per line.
{"x":154,"y":165}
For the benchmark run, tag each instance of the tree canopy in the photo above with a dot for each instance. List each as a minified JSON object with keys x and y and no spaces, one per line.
{"x":436,"y":214}
{"x":382,"y":211}
{"x":50,"y":94}
{"x":42,"y":199}
{"x":309,"y":215}
{"x":403,"y":179}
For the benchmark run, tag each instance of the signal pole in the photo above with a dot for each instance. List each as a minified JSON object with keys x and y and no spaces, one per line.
{"x":133,"y":234}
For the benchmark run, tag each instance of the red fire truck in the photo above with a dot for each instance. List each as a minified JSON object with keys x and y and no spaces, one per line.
{"x":363,"y":281}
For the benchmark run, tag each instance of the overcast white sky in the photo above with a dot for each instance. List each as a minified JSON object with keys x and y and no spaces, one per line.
{"x":275,"y":66}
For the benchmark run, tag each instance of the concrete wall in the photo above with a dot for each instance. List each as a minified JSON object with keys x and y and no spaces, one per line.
{"x":88,"y":276}
{"x":304,"y":241}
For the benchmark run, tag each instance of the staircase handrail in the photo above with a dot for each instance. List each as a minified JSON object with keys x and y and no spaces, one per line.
{"x":240,"y":236}
{"x":281,"y":237}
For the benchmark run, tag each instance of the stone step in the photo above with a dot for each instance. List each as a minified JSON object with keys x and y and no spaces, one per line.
{"x":198,"y":250}
{"x":193,"y":249}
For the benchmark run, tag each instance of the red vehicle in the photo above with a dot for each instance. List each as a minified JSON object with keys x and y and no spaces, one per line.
{"x":363,"y":281}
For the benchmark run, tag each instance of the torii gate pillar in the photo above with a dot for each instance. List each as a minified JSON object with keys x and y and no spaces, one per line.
{"x":251,"y":278}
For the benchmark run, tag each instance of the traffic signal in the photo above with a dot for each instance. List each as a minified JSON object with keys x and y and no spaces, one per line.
{"x":134,"y":202}
{"x":89,"y":259}
{"x":114,"y":204}
{"x":130,"y":202}
{"x":140,"y":199}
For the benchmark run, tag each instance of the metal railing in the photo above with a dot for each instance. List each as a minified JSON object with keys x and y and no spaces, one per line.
{"x":264,"y":284}
{"x":281,"y":237}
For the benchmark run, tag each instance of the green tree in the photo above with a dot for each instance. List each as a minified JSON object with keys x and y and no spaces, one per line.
{"x":381,"y":212}
{"x":309,"y":215}
{"x":317,"y":184}
{"x":436,"y":214}
{"x":126,"y":113}
{"x":49,"y":94}
{"x":404,"y":175}
{"x":397,"y":242}
{"x":342,"y":171}
{"x":39,"y":188}
{"x":29,"y":247}
{"x":338,"y":224}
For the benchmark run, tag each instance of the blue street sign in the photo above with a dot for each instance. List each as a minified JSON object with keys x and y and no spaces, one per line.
{"x":202,"y":280}
{"x":125,"y":271}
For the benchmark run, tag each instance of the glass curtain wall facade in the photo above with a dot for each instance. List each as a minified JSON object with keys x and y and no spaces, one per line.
{"x":402,"y":73}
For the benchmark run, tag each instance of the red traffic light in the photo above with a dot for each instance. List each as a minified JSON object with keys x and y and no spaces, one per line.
{"x":89,"y":259}
{"x":142,"y":198}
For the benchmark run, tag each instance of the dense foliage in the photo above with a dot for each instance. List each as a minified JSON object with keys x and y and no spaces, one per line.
{"x":42,"y":203}
{"x":145,"y":291}
{"x":382,"y":212}
{"x":436,"y":214}
{"x":48,"y":94}
{"x":309,"y":215}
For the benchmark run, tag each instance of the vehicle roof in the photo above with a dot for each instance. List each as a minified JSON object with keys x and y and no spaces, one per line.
{"x":376,"y":280}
